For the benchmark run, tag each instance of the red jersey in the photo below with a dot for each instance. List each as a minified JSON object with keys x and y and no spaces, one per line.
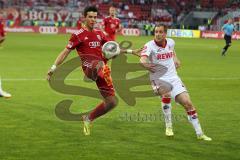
{"x":111,"y":25}
{"x":88,"y":45}
{"x":79,"y":24}
{"x":2,"y":32}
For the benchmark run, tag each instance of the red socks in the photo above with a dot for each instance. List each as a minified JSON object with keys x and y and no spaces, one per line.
{"x":98,"y":111}
{"x":166,"y":100}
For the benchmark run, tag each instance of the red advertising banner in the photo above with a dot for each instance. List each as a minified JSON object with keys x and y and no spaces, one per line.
{"x":62,"y":30}
{"x":218,"y":34}
{"x":42,"y":29}
{"x":40,"y":14}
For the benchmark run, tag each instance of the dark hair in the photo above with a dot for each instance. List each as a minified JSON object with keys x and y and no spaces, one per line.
{"x":161,"y":25}
{"x":89,"y":9}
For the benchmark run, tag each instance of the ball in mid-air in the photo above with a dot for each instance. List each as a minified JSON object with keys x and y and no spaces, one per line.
{"x":110,"y":49}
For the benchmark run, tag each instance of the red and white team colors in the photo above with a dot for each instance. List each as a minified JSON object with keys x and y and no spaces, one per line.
{"x":88,"y":44}
{"x":89,"y":48}
{"x":165,"y":68}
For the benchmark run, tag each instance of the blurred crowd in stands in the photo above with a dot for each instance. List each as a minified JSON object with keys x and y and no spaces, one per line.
{"x":142,"y":14}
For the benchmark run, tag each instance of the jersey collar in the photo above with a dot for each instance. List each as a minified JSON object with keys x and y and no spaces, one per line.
{"x":161,"y":45}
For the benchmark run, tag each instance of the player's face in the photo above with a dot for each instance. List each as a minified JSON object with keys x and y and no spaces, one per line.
{"x":91,"y":19}
{"x":112,"y":11}
{"x":159,"y":34}
{"x":230,"y":21}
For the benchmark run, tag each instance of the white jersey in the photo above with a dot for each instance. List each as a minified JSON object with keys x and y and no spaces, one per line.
{"x":163,"y":57}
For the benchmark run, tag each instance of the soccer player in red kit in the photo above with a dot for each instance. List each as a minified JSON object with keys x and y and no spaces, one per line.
{"x":2,"y":38}
{"x":88,"y":43}
{"x":80,"y":24}
{"x":2,"y":32}
{"x":111,"y":24}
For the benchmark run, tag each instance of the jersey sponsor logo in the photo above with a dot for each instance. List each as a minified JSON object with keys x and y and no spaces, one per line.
{"x":165,"y":56}
{"x":94,"y":44}
{"x":112,"y":26}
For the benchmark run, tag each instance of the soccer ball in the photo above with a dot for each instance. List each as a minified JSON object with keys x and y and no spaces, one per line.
{"x":110,"y":49}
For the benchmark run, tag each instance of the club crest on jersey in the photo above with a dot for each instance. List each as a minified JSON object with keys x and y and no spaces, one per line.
{"x":113,"y":25}
{"x":99,"y":37}
{"x":160,"y":49}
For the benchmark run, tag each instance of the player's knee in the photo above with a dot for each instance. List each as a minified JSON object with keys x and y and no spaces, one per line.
{"x":112,"y":102}
{"x":166,"y":95}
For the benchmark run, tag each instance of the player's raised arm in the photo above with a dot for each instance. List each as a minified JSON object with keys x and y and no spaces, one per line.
{"x":136,"y":52}
{"x":59,"y":60}
{"x":62,"y":56}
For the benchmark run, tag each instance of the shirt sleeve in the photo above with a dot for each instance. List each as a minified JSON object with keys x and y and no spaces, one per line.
{"x":172,"y":45}
{"x":105,"y":22}
{"x":118,"y":25}
{"x":104,"y":38}
{"x":146,"y":50}
{"x":224,"y":26}
{"x":73,"y":42}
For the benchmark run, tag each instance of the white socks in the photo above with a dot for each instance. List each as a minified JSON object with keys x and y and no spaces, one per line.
{"x":193,"y":119}
{"x":166,"y":108}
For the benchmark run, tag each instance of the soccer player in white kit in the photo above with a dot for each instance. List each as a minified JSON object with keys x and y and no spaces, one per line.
{"x":158,"y":56}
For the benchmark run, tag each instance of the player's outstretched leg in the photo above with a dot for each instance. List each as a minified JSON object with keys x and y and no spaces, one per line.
{"x":185,"y":101}
{"x":101,"y":109}
{"x":166,"y":108}
{"x":228,"y":44}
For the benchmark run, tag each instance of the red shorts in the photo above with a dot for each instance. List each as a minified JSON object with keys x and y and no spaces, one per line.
{"x":103,"y":79}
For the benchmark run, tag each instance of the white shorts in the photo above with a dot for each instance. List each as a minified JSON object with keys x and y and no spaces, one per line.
{"x":174,"y":85}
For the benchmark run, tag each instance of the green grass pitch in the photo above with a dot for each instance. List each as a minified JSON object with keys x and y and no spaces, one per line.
{"x":30,"y":130}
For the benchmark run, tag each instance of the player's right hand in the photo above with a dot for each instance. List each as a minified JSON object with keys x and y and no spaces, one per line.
{"x":151,"y":67}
